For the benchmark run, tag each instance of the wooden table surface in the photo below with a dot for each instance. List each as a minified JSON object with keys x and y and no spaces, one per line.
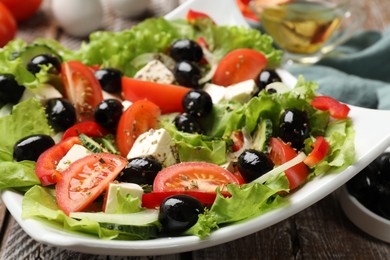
{"x":322,"y":231}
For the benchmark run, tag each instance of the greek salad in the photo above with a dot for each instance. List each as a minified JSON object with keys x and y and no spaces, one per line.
{"x":169,"y":128}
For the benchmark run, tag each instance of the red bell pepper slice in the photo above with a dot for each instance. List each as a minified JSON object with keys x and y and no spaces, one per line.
{"x":336,"y":109}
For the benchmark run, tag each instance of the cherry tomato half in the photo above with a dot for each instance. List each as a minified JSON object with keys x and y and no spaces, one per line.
{"x":167,"y":97}
{"x":8,"y":25}
{"x":193,"y":176}
{"x":22,"y":9}
{"x":81,"y":88}
{"x":282,"y":153}
{"x":239,"y":65}
{"x":47,"y":162}
{"x":86,"y":179}
{"x":141,"y":116}
{"x":89,"y":128}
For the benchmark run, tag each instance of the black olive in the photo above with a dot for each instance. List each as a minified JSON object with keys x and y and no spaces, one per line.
{"x":179,"y":212}
{"x":10,"y":90}
{"x":108,"y":112}
{"x":252,"y":164}
{"x":266,"y":77}
{"x":197,"y":103}
{"x":61,"y":114}
{"x":31,"y":147}
{"x":185,"y":49}
{"x":187,"y":74}
{"x":140,"y":170}
{"x":188,"y":123}
{"x":294,"y":127}
{"x":110,"y":79}
{"x":34,"y":65}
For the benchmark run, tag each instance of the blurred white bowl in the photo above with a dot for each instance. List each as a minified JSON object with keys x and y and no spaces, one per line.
{"x":363,"y":218}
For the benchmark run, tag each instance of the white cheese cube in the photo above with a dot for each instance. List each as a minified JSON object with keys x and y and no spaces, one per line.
{"x":241,"y":92}
{"x":156,"y":143}
{"x":42,"y":93}
{"x":155,"y":71}
{"x":126,"y":104}
{"x":123,"y":189}
{"x":217,"y":93}
{"x":76,"y":152}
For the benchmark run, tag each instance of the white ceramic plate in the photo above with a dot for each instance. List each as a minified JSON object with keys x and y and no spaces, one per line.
{"x":372,"y":137}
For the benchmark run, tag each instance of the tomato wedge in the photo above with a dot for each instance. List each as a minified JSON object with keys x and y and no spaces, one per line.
{"x":320,"y":149}
{"x":89,"y":128}
{"x":8,"y":25}
{"x":167,"y":97}
{"x":336,"y":109}
{"x":81,"y":88}
{"x":193,"y":176}
{"x":154,"y":199}
{"x":141,"y":116}
{"x":239,"y":65}
{"x":282,"y":153}
{"x":47,"y":162}
{"x":86,"y":179}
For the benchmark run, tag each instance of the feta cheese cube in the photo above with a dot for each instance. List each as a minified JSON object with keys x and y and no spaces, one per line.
{"x":241,"y":92}
{"x":124,"y":189}
{"x":155,"y":71}
{"x":126,"y":104}
{"x":217,"y":93}
{"x":156,"y":143}
{"x":76,"y":152}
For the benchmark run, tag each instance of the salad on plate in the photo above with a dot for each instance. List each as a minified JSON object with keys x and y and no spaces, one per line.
{"x":169,"y":128}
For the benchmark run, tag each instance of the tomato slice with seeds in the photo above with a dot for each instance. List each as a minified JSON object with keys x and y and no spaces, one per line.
{"x":47,"y":162}
{"x":141,"y":116}
{"x":239,"y":65}
{"x":86,"y":179}
{"x":82,"y":89}
{"x":193,"y":176}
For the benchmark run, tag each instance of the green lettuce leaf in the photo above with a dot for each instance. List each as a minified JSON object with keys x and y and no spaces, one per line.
{"x":40,"y":203}
{"x":27,"y":118}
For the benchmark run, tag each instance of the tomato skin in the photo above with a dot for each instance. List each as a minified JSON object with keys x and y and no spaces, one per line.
{"x":336,"y":109}
{"x":246,"y":11}
{"x":239,"y":65}
{"x":89,"y":128}
{"x":193,"y":176}
{"x":154,"y":199}
{"x":193,"y":15}
{"x":47,"y":162}
{"x":238,"y":140}
{"x":86,"y":179}
{"x":8,"y":25}
{"x":282,"y":153}
{"x":167,"y":97}
{"x":22,"y":9}
{"x":320,"y":149}
{"x":141,"y":116}
{"x":82,"y":89}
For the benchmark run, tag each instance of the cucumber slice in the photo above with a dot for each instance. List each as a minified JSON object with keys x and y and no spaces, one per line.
{"x":262,"y":135}
{"x":33,"y":50}
{"x":142,"y":218}
{"x":133,"y":232}
{"x":91,"y":144}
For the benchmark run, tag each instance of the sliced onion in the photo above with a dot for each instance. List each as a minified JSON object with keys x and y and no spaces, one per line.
{"x":281,"y":168}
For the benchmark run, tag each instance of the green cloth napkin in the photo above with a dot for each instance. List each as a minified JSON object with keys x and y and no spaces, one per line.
{"x":357,"y":72}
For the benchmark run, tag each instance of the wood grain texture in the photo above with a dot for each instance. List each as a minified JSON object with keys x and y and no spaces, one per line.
{"x":320,"y":232}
